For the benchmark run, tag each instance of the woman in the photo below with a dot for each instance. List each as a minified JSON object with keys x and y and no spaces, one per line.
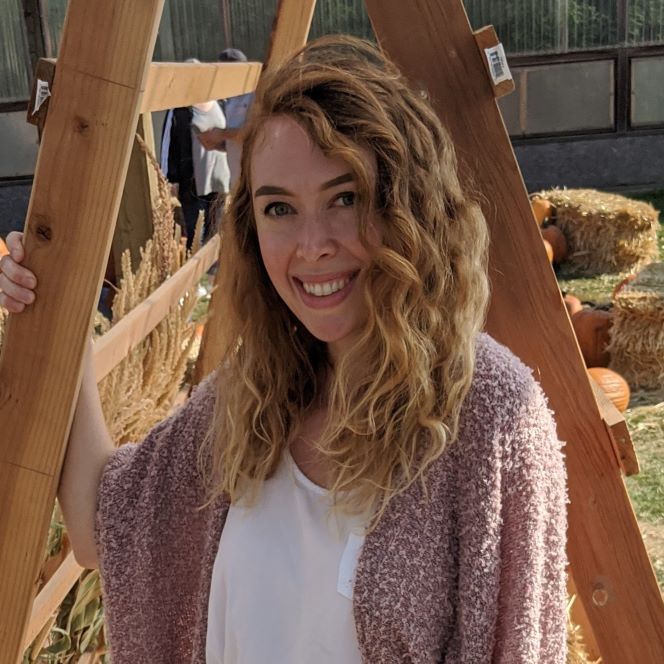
{"x":367,"y":478}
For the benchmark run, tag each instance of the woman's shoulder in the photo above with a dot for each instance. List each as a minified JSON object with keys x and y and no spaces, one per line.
{"x":502,"y":389}
{"x":498,"y":372}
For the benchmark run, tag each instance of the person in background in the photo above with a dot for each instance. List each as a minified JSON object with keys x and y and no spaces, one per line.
{"x":235,"y":110}
{"x":199,"y":175}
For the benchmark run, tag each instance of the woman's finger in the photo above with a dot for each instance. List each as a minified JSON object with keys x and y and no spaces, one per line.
{"x":14,"y":243}
{"x":14,"y":291}
{"x":17,"y":273}
{"x":10,"y":304}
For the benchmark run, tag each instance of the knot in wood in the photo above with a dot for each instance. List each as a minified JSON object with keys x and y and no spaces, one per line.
{"x":44,"y":232}
{"x":81,"y":125}
{"x":600,"y":596}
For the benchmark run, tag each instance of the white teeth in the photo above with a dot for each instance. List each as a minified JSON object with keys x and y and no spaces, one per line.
{"x":329,"y":287}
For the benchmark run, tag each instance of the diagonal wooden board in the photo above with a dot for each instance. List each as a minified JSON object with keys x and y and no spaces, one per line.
{"x":432,"y":43}
{"x":105,"y":53}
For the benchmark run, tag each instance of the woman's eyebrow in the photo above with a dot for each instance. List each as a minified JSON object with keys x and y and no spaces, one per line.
{"x":271,"y":190}
{"x":340,"y":179}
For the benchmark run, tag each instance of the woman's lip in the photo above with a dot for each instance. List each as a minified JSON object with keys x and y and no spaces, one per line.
{"x":326,"y":301}
{"x":324,"y":278}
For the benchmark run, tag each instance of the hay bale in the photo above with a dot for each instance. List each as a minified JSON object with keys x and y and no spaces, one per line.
{"x":637,"y":333}
{"x":605,"y":232}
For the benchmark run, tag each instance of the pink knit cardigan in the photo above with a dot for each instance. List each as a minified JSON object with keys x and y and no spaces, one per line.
{"x":474,"y":573}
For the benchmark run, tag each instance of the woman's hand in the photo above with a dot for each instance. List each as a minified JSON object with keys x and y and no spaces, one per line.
{"x":17,"y":283}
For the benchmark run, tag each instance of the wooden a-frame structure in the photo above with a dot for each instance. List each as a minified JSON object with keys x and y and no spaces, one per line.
{"x":103,"y":80}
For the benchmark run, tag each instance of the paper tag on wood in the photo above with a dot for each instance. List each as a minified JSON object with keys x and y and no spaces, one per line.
{"x":42,"y":94}
{"x":498,"y":67}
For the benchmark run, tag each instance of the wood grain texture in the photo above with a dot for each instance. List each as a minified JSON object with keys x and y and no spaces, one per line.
{"x":486,"y":37}
{"x":608,"y":558}
{"x":75,"y":198}
{"x":44,"y":71}
{"x":290,"y":30}
{"x":173,"y":84}
{"x":51,"y":595}
{"x":615,"y":422}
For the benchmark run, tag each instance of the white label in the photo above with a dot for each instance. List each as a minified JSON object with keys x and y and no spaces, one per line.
{"x":42,"y":94}
{"x":498,"y":64}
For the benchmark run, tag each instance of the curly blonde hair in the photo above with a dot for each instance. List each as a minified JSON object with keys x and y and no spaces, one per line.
{"x":396,"y":396}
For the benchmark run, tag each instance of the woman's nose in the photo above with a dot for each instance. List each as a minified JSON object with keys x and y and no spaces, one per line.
{"x":315,"y":240}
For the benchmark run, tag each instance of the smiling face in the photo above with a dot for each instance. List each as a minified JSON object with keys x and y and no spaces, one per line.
{"x":305,"y":206}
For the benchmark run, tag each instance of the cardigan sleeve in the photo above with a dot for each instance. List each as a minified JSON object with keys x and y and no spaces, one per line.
{"x":532,"y":619}
{"x":150,"y":531}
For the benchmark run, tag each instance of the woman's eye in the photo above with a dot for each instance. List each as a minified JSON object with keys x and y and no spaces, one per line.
{"x":346,"y":199}
{"x":278,"y":209}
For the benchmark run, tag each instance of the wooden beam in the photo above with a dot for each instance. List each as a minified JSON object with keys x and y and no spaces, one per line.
{"x":51,"y":595}
{"x":609,"y":562}
{"x":174,"y":84}
{"x":290,"y":30}
{"x":42,"y":88}
{"x":617,"y":427}
{"x":34,"y":30}
{"x":86,"y":142}
{"x":170,"y":85}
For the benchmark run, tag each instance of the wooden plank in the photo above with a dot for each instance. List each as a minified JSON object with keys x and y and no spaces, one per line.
{"x":617,"y":427}
{"x":51,"y":595}
{"x":44,"y":76}
{"x":173,"y":84}
{"x":113,"y":346}
{"x":289,"y":34}
{"x":290,"y":30}
{"x":75,"y":198}
{"x":609,"y":562}
{"x":134,"y":225}
{"x":486,"y":37}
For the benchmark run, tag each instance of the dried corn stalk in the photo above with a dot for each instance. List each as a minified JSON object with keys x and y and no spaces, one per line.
{"x":604,"y":232}
{"x":576,"y":648}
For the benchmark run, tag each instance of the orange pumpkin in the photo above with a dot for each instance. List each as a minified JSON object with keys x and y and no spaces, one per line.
{"x":554,"y":236}
{"x":573,"y":304}
{"x":549,"y":251}
{"x":3,"y":249}
{"x":542,"y":209}
{"x":592,"y":328}
{"x":613,"y":385}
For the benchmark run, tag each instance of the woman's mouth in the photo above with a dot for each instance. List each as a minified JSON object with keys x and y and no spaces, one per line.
{"x":323,"y":294}
{"x":325,"y":288}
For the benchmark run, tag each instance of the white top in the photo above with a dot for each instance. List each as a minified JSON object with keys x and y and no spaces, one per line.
{"x":282,"y":581}
{"x":236,"y":110}
{"x":211,"y":171}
